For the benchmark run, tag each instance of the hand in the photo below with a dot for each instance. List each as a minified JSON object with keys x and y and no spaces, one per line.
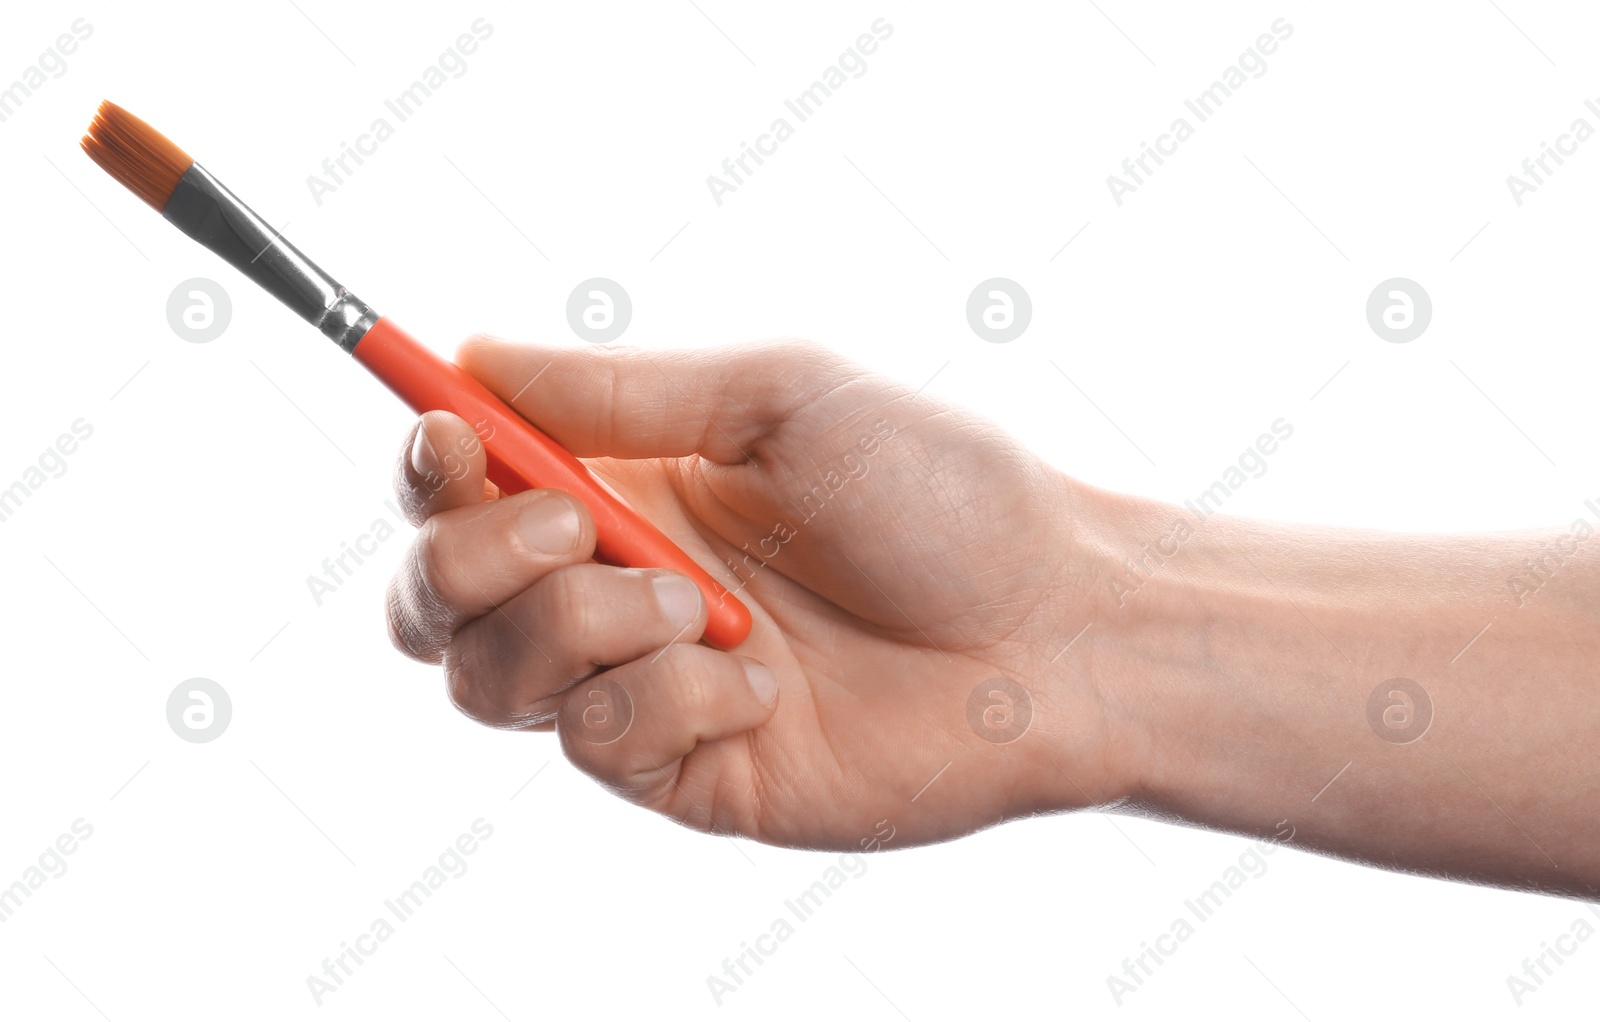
{"x":896,"y":553}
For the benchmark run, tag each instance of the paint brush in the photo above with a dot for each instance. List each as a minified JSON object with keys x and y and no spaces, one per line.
{"x":520,"y":457}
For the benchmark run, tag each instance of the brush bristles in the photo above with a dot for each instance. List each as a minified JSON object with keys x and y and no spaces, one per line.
{"x":140,"y":157}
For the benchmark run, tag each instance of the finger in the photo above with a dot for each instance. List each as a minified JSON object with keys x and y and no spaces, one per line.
{"x":630,"y":727}
{"x":467,"y":560}
{"x":441,"y":466}
{"x":621,"y":403}
{"x":507,"y":669}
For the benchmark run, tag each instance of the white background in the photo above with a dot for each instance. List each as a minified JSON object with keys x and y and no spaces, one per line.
{"x":1225,"y":293}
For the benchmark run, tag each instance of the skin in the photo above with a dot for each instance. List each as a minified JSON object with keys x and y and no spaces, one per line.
{"x":935,"y":554}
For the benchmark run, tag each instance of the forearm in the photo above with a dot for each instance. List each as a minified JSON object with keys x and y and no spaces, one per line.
{"x":1238,"y":673}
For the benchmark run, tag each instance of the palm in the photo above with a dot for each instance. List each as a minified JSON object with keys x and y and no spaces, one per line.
{"x":885,"y":549}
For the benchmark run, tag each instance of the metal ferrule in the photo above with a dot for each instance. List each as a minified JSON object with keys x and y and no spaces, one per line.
{"x":206,"y":211}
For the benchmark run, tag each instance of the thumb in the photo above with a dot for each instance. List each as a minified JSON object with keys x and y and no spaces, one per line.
{"x":628,"y":403}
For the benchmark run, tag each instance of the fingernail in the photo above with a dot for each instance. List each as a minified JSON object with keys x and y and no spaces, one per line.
{"x":762,"y":681}
{"x":424,"y":462}
{"x":550,"y":524}
{"x":677,"y":597}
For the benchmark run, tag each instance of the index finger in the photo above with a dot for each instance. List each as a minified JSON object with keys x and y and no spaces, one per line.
{"x":441,"y":466}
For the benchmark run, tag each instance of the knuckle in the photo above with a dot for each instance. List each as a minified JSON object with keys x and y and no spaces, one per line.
{"x":434,"y":564}
{"x":695,"y":672}
{"x":396,"y":618}
{"x":567,"y":604}
{"x":803,"y":349}
{"x":464,"y":677}
{"x":406,"y":621}
{"x":610,"y":408}
{"x":417,"y":617}
{"x":808,"y":371}
{"x":482,"y":677}
{"x":809,"y":356}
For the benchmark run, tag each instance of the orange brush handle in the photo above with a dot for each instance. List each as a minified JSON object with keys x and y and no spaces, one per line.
{"x":522,"y":458}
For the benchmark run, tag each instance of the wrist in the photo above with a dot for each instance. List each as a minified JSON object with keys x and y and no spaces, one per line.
{"x":1231,"y":667}
{"x":1179,"y":656}
{"x":1088,"y":751}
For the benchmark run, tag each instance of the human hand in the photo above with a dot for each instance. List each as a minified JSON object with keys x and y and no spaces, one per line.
{"x":897,"y":555}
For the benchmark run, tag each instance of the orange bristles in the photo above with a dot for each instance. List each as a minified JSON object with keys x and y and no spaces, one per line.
{"x":140,"y":157}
